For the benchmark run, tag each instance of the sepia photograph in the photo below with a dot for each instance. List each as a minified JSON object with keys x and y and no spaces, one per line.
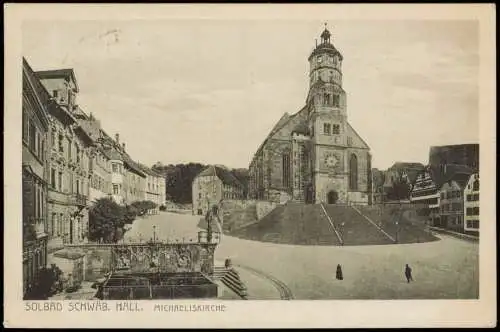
{"x":228,"y":160}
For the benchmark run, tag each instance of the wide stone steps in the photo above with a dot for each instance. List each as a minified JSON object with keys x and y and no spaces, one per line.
{"x":232,"y":280}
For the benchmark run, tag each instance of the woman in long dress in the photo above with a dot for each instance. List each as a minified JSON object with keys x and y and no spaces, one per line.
{"x":339,"y":275}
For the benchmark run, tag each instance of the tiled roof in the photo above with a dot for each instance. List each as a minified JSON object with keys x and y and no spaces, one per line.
{"x":440,"y":175}
{"x":148,"y":170}
{"x":223,"y":174}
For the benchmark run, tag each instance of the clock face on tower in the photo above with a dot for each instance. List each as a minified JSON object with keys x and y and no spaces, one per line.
{"x":331,"y":161}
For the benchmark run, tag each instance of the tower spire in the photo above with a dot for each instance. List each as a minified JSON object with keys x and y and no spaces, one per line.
{"x":325,"y":36}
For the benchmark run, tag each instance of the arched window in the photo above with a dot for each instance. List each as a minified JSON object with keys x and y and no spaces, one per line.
{"x":353,"y":172}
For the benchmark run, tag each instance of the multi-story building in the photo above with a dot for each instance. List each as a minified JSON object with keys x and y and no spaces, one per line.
{"x":315,"y":155}
{"x":451,"y":202}
{"x":471,"y":204}
{"x":100,"y":172}
{"x":34,"y":176}
{"x":127,"y":179}
{"x":69,"y":160}
{"x":212,"y":185}
{"x":155,"y":188}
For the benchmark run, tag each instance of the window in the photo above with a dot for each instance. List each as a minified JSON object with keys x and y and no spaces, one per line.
{"x":53,"y":222}
{"x":349,"y":141}
{"x":286,"y":170}
{"x":475,"y":210}
{"x":353,"y":172}
{"x":335,"y":129}
{"x":326,"y":128}
{"x":116,"y":189}
{"x":469,"y":211}
{"x":59,"y":182}
{"x":32,"y":136}
{"x":320,"y":59}
{"x":77,"y":149}
{"x":326,"y":99}
{"x":115,"y":168}
{"x":469,"y":197}
{"x":54,"y":93}
{"x":60,"y":141}
{"x":336,"y":100}
{"x":53,"y":178}
{"x":442,"y":195}
{"x":25,"y":126}
{"x":60,"y":225}
{"x":475,"y":186}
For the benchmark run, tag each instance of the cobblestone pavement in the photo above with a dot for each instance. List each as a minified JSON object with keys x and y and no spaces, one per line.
{"x":445,"y":269}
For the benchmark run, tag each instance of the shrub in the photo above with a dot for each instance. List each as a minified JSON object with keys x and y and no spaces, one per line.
{"x":49,"y":282}
{"x":163,"y":208}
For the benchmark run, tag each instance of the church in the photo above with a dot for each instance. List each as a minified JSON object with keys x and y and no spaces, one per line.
{"x":315,"y":155}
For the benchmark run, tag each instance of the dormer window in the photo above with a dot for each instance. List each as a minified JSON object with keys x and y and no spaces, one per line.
{"x":320,"y":59}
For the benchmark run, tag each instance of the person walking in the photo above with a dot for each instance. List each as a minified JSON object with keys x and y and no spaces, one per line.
{"x":339,"y":275}
{"x":408,"y":273}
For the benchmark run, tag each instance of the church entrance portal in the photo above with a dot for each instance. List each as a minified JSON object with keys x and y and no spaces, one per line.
{"x":332,"y":197}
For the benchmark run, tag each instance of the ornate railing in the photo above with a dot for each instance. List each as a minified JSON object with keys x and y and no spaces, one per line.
{"x":79,"y":199}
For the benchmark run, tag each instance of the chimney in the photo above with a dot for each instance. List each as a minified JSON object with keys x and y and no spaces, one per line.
{"x":117,"y":138}
{"x":316,"y":40}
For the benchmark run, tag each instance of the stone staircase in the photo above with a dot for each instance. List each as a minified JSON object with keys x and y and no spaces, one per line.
{"x":231,"y":279}
{"x":292,"y":223}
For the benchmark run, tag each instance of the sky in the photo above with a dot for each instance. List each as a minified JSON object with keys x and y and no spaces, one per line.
{"x":210,"y":91}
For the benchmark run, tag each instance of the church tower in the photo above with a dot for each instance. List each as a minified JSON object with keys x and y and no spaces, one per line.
{"x":327,"y":118}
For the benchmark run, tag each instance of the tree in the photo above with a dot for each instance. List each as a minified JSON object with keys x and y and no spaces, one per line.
{"x":105,"y":217}
{"x":400,"y":189}
{"x":48,"y":283}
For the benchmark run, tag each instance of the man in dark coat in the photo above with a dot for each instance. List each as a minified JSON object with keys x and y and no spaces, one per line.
{"x":339,"y":275}
{"x":408,"y":273}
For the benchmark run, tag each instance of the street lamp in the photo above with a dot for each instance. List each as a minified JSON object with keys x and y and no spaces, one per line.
{"x":397,"y":231}
{"x":154,"y":234}
{"x":342,"y":231}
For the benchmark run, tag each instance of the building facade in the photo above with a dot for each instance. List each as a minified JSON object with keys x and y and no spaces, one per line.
{"x":425,"y":192}
{"x":70,"y":161}
{"x":154,"y":189}
{"x":211,"y":186}
{"x":100,"y":164}
{"x":315,"y":155}
{"x":451,"y":202}
{"x":35,"y":124}
{"x":471,"y":204}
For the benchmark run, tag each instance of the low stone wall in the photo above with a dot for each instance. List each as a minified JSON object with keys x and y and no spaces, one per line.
{"x":264,"y":208}
{"x":455,"y":234}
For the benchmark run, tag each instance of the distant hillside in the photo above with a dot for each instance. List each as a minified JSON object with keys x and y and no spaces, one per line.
{"x":179,"y":179}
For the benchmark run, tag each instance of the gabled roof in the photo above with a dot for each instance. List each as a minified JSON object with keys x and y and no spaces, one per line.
{"x":445,"y":173}
{"x":58,"y":73}
{"x":223,"y":174}
{"x":148,"y":170}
